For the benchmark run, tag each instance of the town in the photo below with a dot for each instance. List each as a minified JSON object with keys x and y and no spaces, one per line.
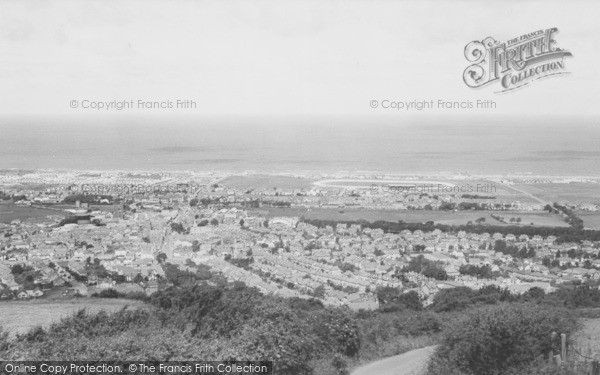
{"x":125,"y":232}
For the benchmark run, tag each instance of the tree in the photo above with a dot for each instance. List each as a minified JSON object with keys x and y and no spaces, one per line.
{"x":193,"y":202}
{"x":452,"y":299}
{"x":17,"y":269}
{"x":161,"y":257}
{"x":319,"y":292}
{"x":500,"y":246}
{"x":392,"y":299}
{"x":214,"y":222}
{"x":177,"y":227}
{"x":547,"y":262}
{"x":535,"y":293}
{"x":426,"y":267}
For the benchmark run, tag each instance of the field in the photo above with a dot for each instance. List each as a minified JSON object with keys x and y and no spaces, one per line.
{"x":262,"y":181}
{"x":415,"y":216}
{"x":574,"y":192}
{"x":10,"y":212}
{"x":435,"y":187}
{"x":20,"y":316}
{"x":590,"y":219}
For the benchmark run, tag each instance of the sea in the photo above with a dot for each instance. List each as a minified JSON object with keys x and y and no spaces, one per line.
{"x":556,"y":147}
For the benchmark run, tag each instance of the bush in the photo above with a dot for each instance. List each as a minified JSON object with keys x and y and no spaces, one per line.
{"x":393,"y":299}
{"x":459,"y":298}
{"x":500,"y":339}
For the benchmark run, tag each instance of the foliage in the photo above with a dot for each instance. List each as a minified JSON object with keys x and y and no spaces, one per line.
{"x":178,"y":228}
{"x":428,"y":268}
{"x":462,"y":297}
{"x":484,"y":272}
{"x":393,"y":299}
{"x":499,"y":339}
{"x":111,"y":293}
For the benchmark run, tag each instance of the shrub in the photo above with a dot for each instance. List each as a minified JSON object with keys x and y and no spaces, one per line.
{"x":392,"y":299}
{"x":499,"y":339}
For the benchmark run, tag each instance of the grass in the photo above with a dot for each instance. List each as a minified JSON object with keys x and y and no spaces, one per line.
{"x":10,"y":212}
{"x":575,"y":192}
{"x":590,"y":219}
{"x":20,"y":316}
{"x":260,"y":182}
{"x":415,"y":216}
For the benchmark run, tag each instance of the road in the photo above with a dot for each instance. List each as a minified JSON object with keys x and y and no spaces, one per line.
{"x":409,"y":363}
{"x":510,"y":187}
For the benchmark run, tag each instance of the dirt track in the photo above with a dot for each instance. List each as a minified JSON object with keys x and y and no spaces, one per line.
{"x":409,"y":363}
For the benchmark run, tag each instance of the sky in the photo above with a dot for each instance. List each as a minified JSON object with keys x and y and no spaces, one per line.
{"x":243,"y":59}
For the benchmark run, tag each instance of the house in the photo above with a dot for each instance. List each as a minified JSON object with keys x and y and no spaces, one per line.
{"x":35,"y":293}
{"x":22,"y":295}
{"x":151,"y":287}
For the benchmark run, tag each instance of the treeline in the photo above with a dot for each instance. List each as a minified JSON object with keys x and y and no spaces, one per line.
{"x":572,"y":295}
{"x":477,"y":206}
{"x":253,"y":203}
{"x":75,"y":219}
{"x":112,"y":293}
{"x":501,"y":246}
{"x":475,"y":196}
{"x":562,"y":234}
{"x":570,"y":217}
{"x":15,"y":198}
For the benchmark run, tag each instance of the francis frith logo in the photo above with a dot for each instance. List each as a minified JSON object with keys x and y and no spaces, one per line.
{"x":516,"y":62}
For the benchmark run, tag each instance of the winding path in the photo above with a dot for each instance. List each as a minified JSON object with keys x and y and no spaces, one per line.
{"x":409,"y":363}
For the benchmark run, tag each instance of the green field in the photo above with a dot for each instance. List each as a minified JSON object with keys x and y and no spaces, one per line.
{"x":10,"y":212}
{"x":20,"y":316}
{"x":415,"y":216}
{"x":262,"y":181}
{"x":590,"y":219}
{"x":575,"y":192}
